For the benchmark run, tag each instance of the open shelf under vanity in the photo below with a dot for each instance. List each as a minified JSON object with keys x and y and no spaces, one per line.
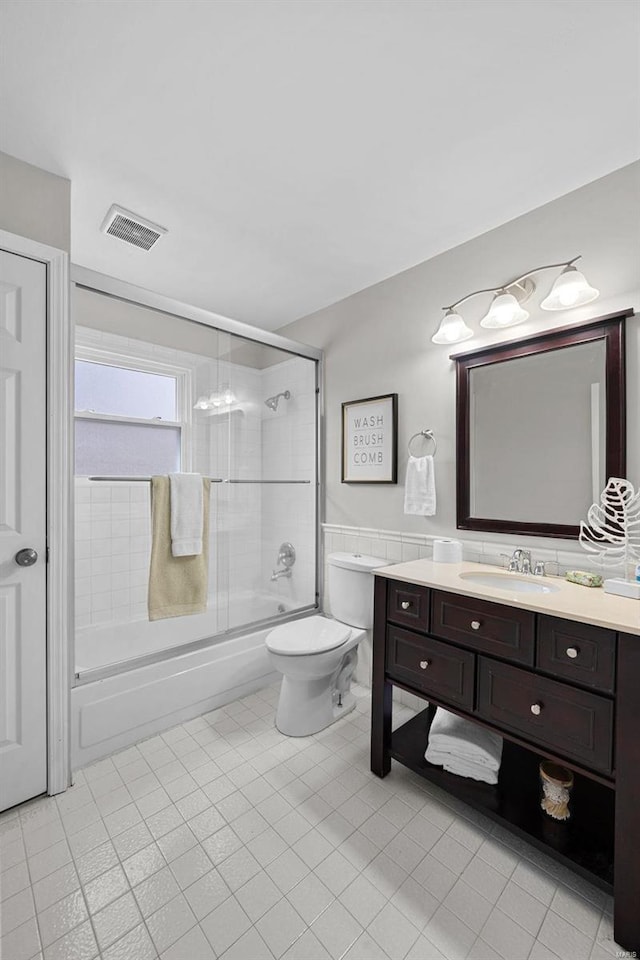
{"x":585,"y":842}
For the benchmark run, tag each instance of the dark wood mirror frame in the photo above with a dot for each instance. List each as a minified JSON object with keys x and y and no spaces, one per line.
{"x":611,"y":330}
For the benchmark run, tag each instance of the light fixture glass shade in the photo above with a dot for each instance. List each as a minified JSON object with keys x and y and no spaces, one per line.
{"x":571,"y":289}
{"x":452,"y":329}
{"x":201,"y":403}
{"x":505,"y":311}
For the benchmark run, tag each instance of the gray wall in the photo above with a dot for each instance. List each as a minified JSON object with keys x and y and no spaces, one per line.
{"x":34,"y":203}
{"x":378,"y":341}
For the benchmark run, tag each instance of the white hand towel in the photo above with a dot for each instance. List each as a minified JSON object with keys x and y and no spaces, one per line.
{"x":186,"y":514}
{"x":463,"y":741}
{"x":420,"y":487}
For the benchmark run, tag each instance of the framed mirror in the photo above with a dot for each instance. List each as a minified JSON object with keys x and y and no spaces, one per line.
{"x":540,"y":428}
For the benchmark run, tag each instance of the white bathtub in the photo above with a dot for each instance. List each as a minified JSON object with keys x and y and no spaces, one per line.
{"x":111,"y":712}
{"x":103,"y":645}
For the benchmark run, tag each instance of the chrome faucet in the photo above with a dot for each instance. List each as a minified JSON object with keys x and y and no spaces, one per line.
{"x":520,"y":562}
{"x":286,"y":554}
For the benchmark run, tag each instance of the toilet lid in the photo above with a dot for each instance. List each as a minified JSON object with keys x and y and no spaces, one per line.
{"x":312,"y":635}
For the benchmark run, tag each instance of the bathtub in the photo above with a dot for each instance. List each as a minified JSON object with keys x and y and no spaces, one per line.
{"x":115,"y":705}
{"x":101,"y":646}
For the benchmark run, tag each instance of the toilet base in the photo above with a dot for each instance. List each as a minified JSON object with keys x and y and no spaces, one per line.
{"x":307,"y":706}
{"x":348,"y":704}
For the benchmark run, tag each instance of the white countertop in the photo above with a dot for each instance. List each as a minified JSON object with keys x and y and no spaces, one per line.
{"x":571,"y":601}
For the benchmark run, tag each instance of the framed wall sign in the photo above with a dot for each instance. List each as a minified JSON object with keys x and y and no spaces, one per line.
{"x":369,"y":440}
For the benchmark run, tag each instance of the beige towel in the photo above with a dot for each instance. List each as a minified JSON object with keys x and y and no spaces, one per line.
{"x":177,"y":585}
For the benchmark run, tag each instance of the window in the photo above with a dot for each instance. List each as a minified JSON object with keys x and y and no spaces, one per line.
{"x":130,"y":416}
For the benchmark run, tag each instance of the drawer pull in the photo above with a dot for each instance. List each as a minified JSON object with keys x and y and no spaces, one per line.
{"x":572,"y":652}
{"x":424,"y":664}
{"x":406,"y":604}
{"x":475,"y":624}
{"x":536,"y":709}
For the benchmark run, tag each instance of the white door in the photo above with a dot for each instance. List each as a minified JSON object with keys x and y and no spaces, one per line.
{"x":23,"y":640}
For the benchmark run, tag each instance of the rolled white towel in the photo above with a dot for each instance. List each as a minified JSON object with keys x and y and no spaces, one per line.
{"x":463,"y":768}
{"x":462,"y":740}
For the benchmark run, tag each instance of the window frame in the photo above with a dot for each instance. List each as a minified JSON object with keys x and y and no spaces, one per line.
{"x":183,"y":376}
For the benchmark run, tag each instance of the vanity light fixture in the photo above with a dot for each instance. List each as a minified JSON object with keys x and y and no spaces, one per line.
{"x":570,"y":289}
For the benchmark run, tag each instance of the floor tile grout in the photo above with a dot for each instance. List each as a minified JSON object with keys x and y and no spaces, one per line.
{"x":325,"y":770}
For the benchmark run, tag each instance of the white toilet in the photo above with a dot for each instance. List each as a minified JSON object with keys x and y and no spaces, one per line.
{"x":317,"y":656}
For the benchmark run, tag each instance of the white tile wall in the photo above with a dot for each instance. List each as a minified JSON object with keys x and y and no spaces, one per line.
{"x":397,"y":547}
{"x":248,"y":521}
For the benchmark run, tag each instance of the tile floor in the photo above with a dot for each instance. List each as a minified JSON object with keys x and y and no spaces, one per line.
{"x":223,"y":839}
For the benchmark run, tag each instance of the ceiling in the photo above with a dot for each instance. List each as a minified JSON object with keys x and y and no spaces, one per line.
{"x":301,"y":150}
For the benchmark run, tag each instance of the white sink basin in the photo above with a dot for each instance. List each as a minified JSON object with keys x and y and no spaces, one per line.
{"x":511,"y":582}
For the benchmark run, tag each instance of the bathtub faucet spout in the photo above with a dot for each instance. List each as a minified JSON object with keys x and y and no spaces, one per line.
{"x":281,"y":573}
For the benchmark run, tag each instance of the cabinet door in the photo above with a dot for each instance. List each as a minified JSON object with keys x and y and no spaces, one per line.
{"x":578,"y":652}
{"x":567,"y":721}
{"x":488,"y":627}
{"x":408,"y":605}
{"x":439,"y":669}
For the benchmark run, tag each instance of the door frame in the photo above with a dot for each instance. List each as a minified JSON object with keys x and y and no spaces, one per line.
{"x":60,"y":570}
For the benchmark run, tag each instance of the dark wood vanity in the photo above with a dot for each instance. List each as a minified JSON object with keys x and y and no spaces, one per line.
{"x":553,"y":687}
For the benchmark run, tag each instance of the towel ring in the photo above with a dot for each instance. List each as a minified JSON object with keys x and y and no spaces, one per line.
{"x":428,"y":435}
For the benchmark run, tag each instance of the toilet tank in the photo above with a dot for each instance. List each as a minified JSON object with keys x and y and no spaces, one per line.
{"x":351,"y":587}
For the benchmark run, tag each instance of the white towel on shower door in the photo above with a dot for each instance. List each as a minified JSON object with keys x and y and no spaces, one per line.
{"x":186,"y":514}
{"x":420,"y":487}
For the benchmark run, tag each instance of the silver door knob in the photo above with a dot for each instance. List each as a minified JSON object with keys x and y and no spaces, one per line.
{"x":26,"y":557}
{"x":405,"y":604}
{"x":424,"y":664}
{"x":572,"y":652}
{"x":475,"y":624}
{"x":536,"y":709}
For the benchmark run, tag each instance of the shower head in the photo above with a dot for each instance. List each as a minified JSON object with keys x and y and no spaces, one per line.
{"x":272,"y":402}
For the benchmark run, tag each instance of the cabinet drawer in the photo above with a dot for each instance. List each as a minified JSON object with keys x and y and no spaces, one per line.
{"x":488,"y":627}
{"x":432,"y":667}
{"x":408,"y":605}
{"x":573,"y":723}
{"x":577,"y":651}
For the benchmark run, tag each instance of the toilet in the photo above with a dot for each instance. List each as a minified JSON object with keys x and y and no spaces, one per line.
{"x":317,"y":655}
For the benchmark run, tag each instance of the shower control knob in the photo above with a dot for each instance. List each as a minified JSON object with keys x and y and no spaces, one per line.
{"x":536,"y":709}
{"x":572,"y":652}
{"x":475,"y":624}
{"x":424,"y":664}
{"x":405,"y":604}
{"x":26,"y":557}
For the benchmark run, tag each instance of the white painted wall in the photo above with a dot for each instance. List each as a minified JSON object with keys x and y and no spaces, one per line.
{"x":378,"y":341}
{"x":34,"y":203}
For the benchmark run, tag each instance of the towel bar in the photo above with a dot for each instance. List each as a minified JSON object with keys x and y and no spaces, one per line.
{"x":428,"y":435}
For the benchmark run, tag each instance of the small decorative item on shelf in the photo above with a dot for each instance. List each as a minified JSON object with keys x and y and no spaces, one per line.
{"x":611,"y":534}
{"x":556,"y":782}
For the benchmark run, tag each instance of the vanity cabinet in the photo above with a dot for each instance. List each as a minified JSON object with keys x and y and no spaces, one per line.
{"x":548,"y":686}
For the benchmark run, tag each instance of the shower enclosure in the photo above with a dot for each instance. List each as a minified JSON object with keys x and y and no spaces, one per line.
{"x":162,"y":387}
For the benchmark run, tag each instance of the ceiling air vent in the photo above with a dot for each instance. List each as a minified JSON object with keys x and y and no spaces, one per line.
{"x":131,"y":228}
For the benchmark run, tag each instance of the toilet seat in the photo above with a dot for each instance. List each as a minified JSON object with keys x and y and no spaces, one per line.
{"x":304,"y":637}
